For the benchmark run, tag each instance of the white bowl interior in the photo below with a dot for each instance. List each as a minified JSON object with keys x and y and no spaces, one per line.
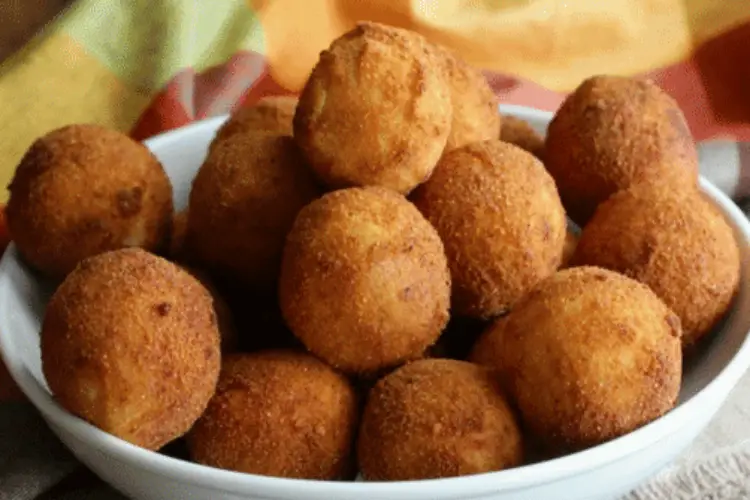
{"x":707,"y":380}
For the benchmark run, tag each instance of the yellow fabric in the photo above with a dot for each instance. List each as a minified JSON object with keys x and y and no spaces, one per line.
{"x":56,"y":83}
{"x":551,"y":42}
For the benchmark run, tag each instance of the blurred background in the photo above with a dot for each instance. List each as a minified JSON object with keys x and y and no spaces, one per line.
{"x":21,"y":19}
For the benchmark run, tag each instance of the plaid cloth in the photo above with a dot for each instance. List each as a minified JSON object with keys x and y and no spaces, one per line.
{"x":146,"y":66}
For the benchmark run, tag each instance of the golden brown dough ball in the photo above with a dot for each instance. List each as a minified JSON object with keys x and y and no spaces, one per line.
{"x":243,"y":201}
{"x":278,"y":413}
{"x":130,"y":343}
{"x":437,"y":418}
{"x":475,"y":114}
{"x":82,"y":190}
{"x":675,"y":242}
{"x":270,"y":114}
{"x":376,"y":110}
{"x":500,"y":217}
{"x":516,"y":131}
{"x":364,"y":280}
{"x":588,"y":356}
{"x":613,"y":132}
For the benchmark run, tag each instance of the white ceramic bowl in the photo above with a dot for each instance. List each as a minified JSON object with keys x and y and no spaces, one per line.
{"x":601,"y":472}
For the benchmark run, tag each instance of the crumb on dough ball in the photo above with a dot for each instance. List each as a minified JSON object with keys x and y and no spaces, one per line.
{"x":270,"y":114}
{"x":437,"y":418}
{"x":675,"y":242}
{"x":613,"y":132}
{"x":364,"y":281}
{"x":130,"y":343}
{"x":81,"y":190}
{"x":243,"y":202}
{"x":376,"y":110}
{"x":519,"y":132}
{"x":475,"y":114}
{"x":588,"y":356}
{"x":279,"y":413}
{"x":501,"y":220}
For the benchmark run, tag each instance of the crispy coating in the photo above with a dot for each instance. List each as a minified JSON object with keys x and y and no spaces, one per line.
{"x":270,"y":114}
{"x":364,"y":280}
{"x":376,"y":110}
{"x":475,"y":114}
{"x":499,"y":215}
{"x":588,"y":356}
{"x":243,"y":202}
{"x":279,"y":413}
{"x":82,"y":190}
{"x":676,"y":242}
{"x":571,"y":241}
{"x":517,"y":131}
{"x":437,"y":418}
{"x":612,"y":132}
{"x":129,"y":343}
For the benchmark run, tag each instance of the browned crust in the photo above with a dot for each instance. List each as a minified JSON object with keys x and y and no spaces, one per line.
{"x":364,"y":281}
{"x":376,"y":110}
{"x":501,"y":220}
{"x":612,"y":132}
{"x":675,"y":242}
{"x":437,"y":418}
{"x":243,"y":202}
{"x":129,"y":343}
{"x":83,"y":189}
{"x":278,"y":413}
{"x":588,"y":356}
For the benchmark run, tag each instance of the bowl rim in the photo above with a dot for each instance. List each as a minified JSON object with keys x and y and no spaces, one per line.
{"x":525,"y":476}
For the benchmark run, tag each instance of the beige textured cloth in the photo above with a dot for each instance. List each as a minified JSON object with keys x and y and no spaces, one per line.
{"x":717,"y":466}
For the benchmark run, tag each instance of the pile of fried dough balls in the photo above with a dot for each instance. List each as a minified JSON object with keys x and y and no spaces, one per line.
{"x":379,"y":277}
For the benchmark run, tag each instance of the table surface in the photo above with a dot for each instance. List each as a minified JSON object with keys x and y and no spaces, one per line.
{"x":20,"y":19}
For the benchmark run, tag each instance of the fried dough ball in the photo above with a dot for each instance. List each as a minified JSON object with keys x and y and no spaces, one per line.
{"x":81,"y":190}
{"x":278,"y":413}
{"x":376,"y":110}
{"x":437,"y":418}
{"x":475,"y":114}
{"x":571,"y":241}
{"x":500,"y":218}
{"x":364,"y":280}
{"x":517,"y":131}
{"x":588,"y":356}
{"x":129,"y":343}
{"x":676,"y":242}
{"x":243,"y":201}
{"x":612,"y":132}
{"x":270,"y":114}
